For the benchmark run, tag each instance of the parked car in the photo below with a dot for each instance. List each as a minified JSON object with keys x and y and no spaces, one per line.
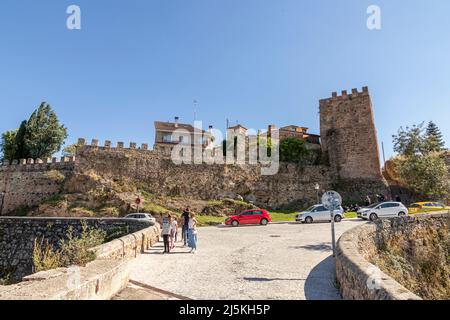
{"x":383,"y":210}
{"x":319,"y":213}
{"x":142,"y":216}
{"x":428,"y":205}
{"x":252,"y":216}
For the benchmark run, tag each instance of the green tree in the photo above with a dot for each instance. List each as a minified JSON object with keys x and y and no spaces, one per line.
{"x":293,"y":150}
{"x":70,"y":150}
{"x":44,"y":134}
{"x":8,"y":146}
{"x":22,"y":151}
{"x":427,"y":175}
{"x":409,"y":141}
{"x":433,"y":138}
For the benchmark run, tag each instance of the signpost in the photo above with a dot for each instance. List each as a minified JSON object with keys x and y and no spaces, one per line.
{"x":332,"y":200}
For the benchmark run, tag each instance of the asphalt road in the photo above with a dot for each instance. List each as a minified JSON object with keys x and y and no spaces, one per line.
{"x":279,"y":261}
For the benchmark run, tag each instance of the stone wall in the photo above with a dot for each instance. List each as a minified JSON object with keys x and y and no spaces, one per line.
{"x":100,"y":279}
{"x":357,"y":277}
{"x":348,"y":134}
{"x":18,"y":236}
{"x":27,"y":183}
{"x":161,"y":176}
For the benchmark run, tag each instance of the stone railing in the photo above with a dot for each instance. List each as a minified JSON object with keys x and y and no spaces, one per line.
{"x":100,"y":279}
{"x":38,"y":164}
{"x":358,"y":278}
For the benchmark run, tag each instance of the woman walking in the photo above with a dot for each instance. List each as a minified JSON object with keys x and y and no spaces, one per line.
{"x":192,"y":233}
{"x":173,"y":233}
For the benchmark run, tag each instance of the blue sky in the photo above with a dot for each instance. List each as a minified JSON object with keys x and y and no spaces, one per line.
{"x":252,"y":61}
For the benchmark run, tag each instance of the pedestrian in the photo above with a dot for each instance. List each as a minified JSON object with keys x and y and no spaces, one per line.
{"x":166,"y":232}
{"x":368,"y":202}
{"x":173,"y":233}
{"x":185,"y":225}
{"x":192,"y":233}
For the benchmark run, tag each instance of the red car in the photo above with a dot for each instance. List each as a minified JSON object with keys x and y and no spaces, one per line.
{"x":252,"y":216}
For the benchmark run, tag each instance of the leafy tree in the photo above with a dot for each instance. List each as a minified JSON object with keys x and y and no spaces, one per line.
{"x":293,"y":150}
{"x":409,"y":141}
{"x":433,"y":138}
{"x":44,"y":134}
{"x":70,"y":150}
{"x":427,"y":175}
{"x":8,"y":146}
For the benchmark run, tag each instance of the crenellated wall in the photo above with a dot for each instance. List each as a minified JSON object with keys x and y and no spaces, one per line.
{"x":348,"y":136}
{"x":161,"y":176}
{"x":26,"y":183}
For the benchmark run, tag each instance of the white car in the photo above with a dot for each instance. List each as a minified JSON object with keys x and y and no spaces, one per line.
{"x":319,"y":213}
{"x":383,"y":210}
{"x":142,"y":216}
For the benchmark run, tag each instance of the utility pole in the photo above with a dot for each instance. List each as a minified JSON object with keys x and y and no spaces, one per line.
{"x":195,"y":108}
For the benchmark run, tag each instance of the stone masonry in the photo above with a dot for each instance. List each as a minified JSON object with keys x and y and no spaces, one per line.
{"x":348,"y":136}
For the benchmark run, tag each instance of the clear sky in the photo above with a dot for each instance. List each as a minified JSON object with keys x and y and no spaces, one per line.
{"x":252,"y":61}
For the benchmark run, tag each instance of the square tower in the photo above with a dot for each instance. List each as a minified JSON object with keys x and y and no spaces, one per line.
{"x":349,"y":136}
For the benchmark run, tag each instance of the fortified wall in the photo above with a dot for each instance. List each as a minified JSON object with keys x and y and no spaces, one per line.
{"x":27,"y":183}
{"x":348,"y":137}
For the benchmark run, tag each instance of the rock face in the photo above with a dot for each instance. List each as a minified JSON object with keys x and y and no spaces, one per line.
{"x":400,"y":258}
{"x":18,"y":236}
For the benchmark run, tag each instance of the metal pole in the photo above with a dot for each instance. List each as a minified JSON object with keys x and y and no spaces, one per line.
{"x":333,"y":236}
{"x":384,"y":158}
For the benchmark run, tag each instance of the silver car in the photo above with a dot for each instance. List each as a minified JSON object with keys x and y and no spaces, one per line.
{"x":142,"y":216}
{"x":319,"y":213}
{"x":383,"y":210}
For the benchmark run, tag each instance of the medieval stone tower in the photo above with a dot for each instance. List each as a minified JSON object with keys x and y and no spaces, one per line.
{"x":349,"y":136}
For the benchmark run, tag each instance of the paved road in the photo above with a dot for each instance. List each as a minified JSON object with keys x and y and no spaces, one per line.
{"x":280,"y":261}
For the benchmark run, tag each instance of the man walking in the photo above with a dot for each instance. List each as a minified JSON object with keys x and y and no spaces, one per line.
{"x":185,"y":218}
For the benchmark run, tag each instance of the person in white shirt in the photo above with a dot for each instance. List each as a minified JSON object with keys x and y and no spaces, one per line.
{"x":166,"y":223}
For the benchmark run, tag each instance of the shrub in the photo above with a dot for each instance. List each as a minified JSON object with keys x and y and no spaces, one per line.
{"x":73,"y":250}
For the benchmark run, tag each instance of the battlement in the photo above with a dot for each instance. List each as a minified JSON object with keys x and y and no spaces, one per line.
{"x":108,"y":145}
{"x":48,"y":163}
{"x":345,"y":95}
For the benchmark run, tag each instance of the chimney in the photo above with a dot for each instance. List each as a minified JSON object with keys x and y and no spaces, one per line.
{"x":176,"y":121}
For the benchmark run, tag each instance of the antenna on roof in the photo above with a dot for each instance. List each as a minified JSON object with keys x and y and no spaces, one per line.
{"x":195,"y":109}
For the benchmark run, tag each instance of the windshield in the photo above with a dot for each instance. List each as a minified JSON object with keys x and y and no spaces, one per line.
{"x":310,"y":209}
{"x":373,"y":205}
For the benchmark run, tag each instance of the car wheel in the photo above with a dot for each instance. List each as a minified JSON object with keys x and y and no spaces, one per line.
{"x":234,"y":223}
{"x":337,"y":218}
{"x":264,"y":222}
{"x":309,"y":220}
{"x":401,"y":214}
{"x":373,"y":217}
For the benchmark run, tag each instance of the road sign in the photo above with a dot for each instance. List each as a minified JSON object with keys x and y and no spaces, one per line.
{"x":332,"y":200}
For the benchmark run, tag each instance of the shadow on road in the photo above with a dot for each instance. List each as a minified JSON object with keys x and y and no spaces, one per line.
{"x":271,"y":279}
{"x":314,"y":247}
{"x":321,"y":282}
